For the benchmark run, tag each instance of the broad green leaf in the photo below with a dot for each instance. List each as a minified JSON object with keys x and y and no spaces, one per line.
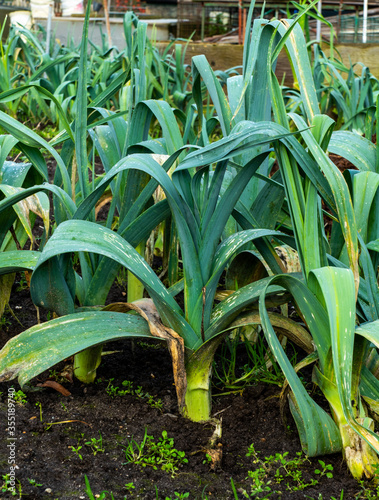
{"x":357,"y":149}
{"x":13,"y":94}
{"x":82,"y":236}
{"x":18,"y":260}
{"x":139,"y":230}
{"x":81,"y":110}
{"x":365,"y":186}
{"x":60,"y":338}
{"x":38,"y":203}
{"x":245,"y":268}
{"x":30,"y":138}
{"x":341,"y":197}
{"x":334,"y":284}
{"x":318,"y":433}
{"x":164,"y":114}
{"x":201,"y":68}
{"x":370,"y":280}
{"x":7,"y":142}
{"x":298,"y":56}
{"x":12,"y":173}
{"x":224,"y":312}
{"x":65,"y":200}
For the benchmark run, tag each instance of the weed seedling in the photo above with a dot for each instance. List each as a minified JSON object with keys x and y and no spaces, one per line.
{"x":368,"y":492}
{"x":160,"y":454}
{"x":96,"y":444}
{"x":325,"y":470}
{"x":115,"y":391}
{"x":64,"y":407}
{"x":78,"y":448}
{"x":100,"y":496}
{"x":11,"y":486}
{"x":22,"y":284}
{"x":77,"y":451}
{"x":19,"y":397}
{"x":154,"y":403}
{"x":122,"y":279}
{"x":54,"y":375}
{"x":33,"y":482}
{"x":259,"y":483}
{"x":128,"y":385}
{"x":178,"y":496}
{"x":147,"y":345}
{"x":320,"y":497}
{"x":129,"y":486}
{"x":233,"y":378}
{"x":40,"y":410}
{"x":4,"y":321}
{"x":281,"y":469}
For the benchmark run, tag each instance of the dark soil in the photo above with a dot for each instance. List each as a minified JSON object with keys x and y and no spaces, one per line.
{"x":341,"y":162}
{"x":44,"y":453}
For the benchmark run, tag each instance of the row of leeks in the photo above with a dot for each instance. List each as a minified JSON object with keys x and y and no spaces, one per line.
{"x":221,"y":200}
{"x":38,"y":82}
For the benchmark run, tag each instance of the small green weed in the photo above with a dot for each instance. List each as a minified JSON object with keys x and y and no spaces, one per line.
{"x":160,"y":454}
{"x":281,"y":470}
{"x":78,"y":447}
{"x":320,"y":497}
{"x":115,"y":391}
{"x":129,"y":486}
{"x":290,"y":469}
{"x":178,"y":496}
{"x":40,"y":410}
{"x":368,"y":492}
{"x":33,"y":482}
{"x":128,"y":388}
{"x":231,"y":377}
{"x":64,"y":407}
{"x":77,"y":451}
{"x":19,"y":397}
{"x":12,"y":486}
{"x":4,"y":321}
{"x":325,"y":470}
{"x":148,"y":345}
{"x":259,"y":483}
{"x":23,"y":283}
{"x":100,"y":496}
{"x":96,"y":444}
{"x":122,"y":279}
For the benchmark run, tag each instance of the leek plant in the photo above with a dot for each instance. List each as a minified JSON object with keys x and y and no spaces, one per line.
{"x":347,"y":93}
{"x":14,"y":178}
{"x":326,"y":298}
{"x":111,"y":136}
{"x":200,"y":213}
{"x":73,"y":200}
{"x":338,"y":378}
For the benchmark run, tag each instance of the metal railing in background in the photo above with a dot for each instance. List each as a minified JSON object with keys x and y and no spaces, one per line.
{"x":352,"y":29}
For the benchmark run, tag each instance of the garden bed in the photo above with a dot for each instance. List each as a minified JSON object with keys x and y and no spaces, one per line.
{"x":50,"y":427}
{"x":120,"y":433}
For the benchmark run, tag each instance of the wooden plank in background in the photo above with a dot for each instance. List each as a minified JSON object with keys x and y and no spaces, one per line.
{"x":225,"y":56}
